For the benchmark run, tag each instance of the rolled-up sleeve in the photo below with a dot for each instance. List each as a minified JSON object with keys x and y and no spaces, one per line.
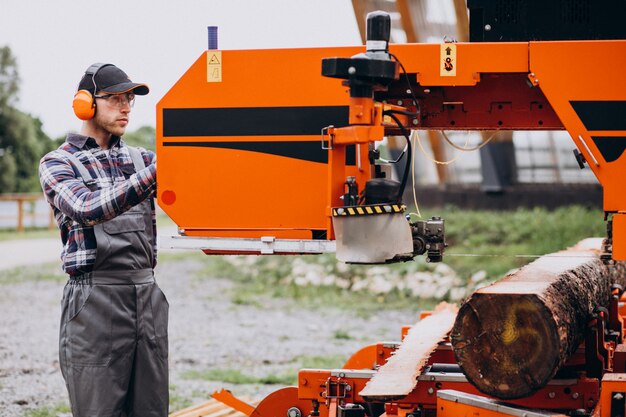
{"x":66,"y":190}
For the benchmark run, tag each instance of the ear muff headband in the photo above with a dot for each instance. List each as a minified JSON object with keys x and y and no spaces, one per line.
{"x":84,"y":103}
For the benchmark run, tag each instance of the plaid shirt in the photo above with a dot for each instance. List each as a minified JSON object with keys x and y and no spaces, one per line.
{"x":77,"y":208}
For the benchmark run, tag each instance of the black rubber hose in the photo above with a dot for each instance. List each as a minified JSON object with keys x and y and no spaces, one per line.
{"x":409,"y":156}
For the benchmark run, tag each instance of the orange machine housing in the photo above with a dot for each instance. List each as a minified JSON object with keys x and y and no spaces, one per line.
{"x":241,"y":156}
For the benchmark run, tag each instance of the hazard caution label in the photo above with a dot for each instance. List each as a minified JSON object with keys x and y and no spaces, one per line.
{"x":447,"y":62}
{"x":214,"y":66}
{"x":372,"y":209}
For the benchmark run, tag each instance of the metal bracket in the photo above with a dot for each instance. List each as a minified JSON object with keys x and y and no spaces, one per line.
{"x":336,"y":389}
{"x":593,"y":157}
{"x":325,"y":132}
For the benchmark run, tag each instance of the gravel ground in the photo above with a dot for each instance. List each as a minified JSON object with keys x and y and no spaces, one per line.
{"x":207,"y":331}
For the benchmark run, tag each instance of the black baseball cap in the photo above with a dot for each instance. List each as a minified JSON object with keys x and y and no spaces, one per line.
{"x":109,"y":79}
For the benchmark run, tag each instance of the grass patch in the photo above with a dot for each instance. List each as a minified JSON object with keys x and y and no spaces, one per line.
{"x":52,"y":411}
{"x":46,"y":272}
{"x":178,"y":402}
{"x":341,"y":335}
{"x":321,"y":362}
{"x":535,"y":231}
{"x":289,"y":377}
{"x":259,"y":279}
{"x":179,"y":255}
{"x":257,"y":283}
{"x":361,"y":303}
{"x":236,"y":377}
{"x":35,"y":233}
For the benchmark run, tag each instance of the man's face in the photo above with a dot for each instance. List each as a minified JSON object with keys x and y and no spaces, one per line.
{"x":113,"y":112}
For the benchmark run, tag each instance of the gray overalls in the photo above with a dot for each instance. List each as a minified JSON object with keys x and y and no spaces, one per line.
{"x":113,"y":340}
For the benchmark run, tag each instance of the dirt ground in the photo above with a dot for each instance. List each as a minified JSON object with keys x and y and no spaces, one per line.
{"x":207,"y":331}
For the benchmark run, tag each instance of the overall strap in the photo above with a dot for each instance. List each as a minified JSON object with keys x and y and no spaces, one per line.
{"x":135,"y":155}
{"x":84,"y":173}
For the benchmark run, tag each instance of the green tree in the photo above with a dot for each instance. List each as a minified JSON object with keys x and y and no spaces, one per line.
{"x":145,"y":137}
{"x":22,"y":140}
{"x":9,"y":78}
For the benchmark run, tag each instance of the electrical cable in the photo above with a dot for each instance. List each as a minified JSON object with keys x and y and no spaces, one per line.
{"x":466,"y":149}
{"x":410,"y":114}
{"x":395,"y":161}
{"x":410,"y":150}
{"x":417,"y":209}
{"x":409,"y":154}
{"x":408,"y":83}
{"x":419,"y":142}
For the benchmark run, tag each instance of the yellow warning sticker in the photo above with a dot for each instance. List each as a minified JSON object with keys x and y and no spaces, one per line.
{"x":447,"y":63}
{"x":214,"y":66}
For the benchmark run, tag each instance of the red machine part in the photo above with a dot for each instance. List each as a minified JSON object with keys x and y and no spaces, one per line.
{"x":279,"y":403}
{"x":571,"y":394}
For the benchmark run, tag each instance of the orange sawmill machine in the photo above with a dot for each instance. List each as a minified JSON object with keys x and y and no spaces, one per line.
{"x":273,"y":152}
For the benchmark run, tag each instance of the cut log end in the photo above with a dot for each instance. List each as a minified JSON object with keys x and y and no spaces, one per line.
{"x":503,"y":345}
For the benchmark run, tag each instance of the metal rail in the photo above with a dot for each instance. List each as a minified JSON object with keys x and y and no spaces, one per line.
{"x":266,"y":245}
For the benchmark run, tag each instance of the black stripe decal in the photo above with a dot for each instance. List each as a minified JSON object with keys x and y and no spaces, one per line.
{"x":252,"y":121}
{"x":305,"y":150}
{"x":611,"y":147}
{"x":601,"y":115}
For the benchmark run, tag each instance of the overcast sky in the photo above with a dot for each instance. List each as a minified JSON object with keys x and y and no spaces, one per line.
{"x":154,"y":41}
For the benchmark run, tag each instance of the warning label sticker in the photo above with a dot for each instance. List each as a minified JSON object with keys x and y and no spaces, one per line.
{"x":214,"y":66}
{"x":447,"y":62}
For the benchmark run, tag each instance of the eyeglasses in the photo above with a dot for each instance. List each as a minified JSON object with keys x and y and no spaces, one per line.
{"x":119,"y":100}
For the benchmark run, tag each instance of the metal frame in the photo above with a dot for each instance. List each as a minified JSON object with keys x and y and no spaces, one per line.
{"x":266,"y":245}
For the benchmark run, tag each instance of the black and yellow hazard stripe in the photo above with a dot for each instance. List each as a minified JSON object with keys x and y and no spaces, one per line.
{"x":373,"y":209}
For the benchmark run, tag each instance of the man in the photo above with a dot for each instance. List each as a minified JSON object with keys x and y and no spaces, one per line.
{"x":113,"y":339}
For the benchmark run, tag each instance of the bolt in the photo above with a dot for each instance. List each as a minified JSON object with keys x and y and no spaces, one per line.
{"x":348,"y":388}
{"x":351,"y":70}
{"x":427,"y":91}
{"x":536,"y":81}
{"x":342,"y":375}
{"x":575,"y":395}
{"x":487,"y":27}
{"x":399,"y":102}
{"x":415,"y":121}
{"x":431,"y":391}
{"x":408,"y":91}
{"x":551,"y":395}
{"x":294,"y":412}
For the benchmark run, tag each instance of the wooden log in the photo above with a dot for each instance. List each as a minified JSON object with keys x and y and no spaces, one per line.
{"x":398,"y":377}
{"x":510,"y":338}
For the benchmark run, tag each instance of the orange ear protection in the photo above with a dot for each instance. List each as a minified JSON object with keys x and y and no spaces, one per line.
{"x":84,"y":103}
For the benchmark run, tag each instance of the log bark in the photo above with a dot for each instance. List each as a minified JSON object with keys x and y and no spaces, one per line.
{"x":511,"y":337}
